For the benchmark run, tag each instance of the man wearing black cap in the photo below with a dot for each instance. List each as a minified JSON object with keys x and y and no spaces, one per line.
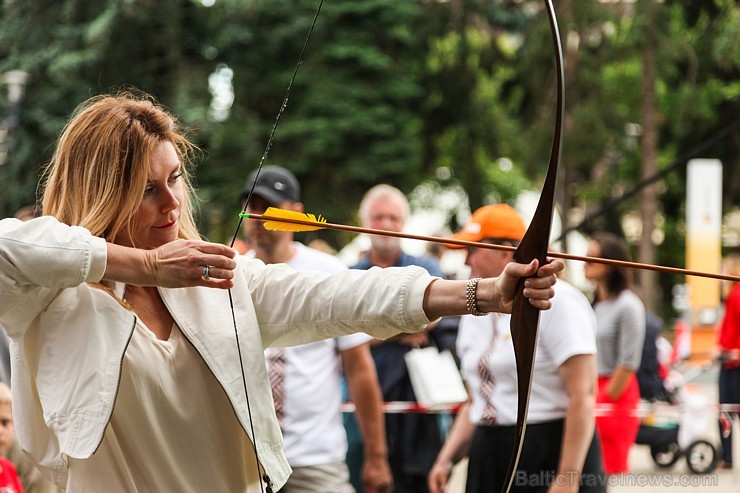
{"x":306,"y":379}
{"x":275,"y":187}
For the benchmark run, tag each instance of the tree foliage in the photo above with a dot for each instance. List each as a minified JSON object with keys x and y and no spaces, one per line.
{"x":456,"y":93}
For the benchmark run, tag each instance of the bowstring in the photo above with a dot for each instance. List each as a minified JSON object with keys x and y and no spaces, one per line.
{"x":277,"y":121}
{"x":239,"y":224}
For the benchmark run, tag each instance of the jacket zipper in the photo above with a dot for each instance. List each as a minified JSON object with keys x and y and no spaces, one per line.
{"x":118,"y":384}
{"x":265,"y":477}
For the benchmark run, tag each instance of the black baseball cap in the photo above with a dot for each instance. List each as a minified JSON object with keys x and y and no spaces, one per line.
{"x":274,"y":184}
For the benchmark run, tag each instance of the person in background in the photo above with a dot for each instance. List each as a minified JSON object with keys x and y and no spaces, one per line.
{"x":560,"y":450}
{"x":322,"y":246}
{"x":650,"y":375}
{"x":728,"y":344}
{"x":27,"y":212}
{"x":242,"y":245}
{"x":7,"y":428}
{"x":9,"y":480}
{"x":620,"y":335}
{"x":307,"y":378}
{"x":413,"y":439}
{"x":119,"y":314}
{"x":436,"y":251}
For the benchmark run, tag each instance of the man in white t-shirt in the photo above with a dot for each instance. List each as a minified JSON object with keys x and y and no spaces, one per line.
{"x":306,"y":379}
{"x":558,"y":446}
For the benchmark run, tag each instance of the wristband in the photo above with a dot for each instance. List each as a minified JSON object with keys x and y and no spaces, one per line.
{"x":471,"y":298}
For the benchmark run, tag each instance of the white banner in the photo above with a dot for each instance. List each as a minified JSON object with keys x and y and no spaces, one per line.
{"x":704,"y":237}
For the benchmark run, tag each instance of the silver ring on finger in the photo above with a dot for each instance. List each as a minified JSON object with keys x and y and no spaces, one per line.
{"x":206,"y":272}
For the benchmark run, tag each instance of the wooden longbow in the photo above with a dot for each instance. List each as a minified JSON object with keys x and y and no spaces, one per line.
{"x":525,"y":318}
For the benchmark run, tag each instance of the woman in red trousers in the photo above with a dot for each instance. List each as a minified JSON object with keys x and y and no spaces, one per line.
{"x":620,"y":335}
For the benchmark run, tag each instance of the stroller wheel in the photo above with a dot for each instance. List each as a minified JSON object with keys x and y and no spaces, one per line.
{"x":665,"y":454}
{"x":701,"y":457}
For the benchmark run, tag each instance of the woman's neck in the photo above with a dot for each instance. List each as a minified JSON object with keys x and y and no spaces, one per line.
{"x":602,"y":292}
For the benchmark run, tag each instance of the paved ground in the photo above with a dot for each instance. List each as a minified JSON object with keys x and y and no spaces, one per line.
{"x":646,"y":476}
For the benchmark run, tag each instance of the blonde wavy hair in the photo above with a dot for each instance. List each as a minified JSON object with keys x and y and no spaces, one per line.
{"x":101,"y":165}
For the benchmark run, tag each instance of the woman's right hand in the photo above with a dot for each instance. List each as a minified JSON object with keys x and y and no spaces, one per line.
{"x":177,"y":264}
{"x":439,"y":476}
{"x":182,"y":263}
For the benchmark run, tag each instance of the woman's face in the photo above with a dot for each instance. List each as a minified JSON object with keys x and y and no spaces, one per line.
{"x":158,"y":219}
{"x":591,"y":270}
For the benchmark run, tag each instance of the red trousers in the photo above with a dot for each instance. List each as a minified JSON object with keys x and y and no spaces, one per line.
{"x":618,"y":426}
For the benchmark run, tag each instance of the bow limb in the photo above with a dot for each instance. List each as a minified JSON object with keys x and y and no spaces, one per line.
{"x":524,"y":317}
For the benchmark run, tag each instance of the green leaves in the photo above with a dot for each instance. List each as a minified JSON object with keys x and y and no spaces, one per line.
{"x":390,"y":91}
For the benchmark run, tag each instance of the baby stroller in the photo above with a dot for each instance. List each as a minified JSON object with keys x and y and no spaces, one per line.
{"x":673,"y":428}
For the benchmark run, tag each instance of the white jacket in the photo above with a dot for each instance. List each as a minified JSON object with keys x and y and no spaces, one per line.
{"x":69,"y":338}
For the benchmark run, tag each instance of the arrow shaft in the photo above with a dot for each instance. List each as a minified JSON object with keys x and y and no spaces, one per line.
{"x":474,"y":244}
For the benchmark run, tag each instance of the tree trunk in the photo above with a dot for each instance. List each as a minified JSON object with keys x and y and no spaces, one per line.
{"x":648,"y":197}
{"x":563,"y":197}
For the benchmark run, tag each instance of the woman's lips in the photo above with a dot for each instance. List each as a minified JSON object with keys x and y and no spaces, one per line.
{"x":168,"y":225}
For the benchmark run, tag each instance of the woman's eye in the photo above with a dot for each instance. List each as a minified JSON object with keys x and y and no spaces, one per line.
{"x":148,"y":191}
{"x":176,"y":176}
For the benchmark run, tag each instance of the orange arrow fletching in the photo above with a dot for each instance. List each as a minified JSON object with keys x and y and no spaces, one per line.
{"x":274,"y":220}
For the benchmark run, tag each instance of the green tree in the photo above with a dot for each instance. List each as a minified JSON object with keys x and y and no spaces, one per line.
{"x":456,"y":94}
{"x":78,"y":48}
{"x":351,"y":119}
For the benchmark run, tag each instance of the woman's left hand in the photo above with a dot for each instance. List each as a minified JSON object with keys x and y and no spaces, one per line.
{"x":497,"y":294}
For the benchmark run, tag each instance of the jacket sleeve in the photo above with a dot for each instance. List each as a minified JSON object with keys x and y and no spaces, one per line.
{"x":40,"y":257}
{"x":299,"y":307}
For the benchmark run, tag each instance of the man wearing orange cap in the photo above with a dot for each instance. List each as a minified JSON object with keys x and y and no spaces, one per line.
{"x":560,"y":420}
{"x":494,"y":224}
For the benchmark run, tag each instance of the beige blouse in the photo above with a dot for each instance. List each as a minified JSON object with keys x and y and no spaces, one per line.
{"x":166,"y":390}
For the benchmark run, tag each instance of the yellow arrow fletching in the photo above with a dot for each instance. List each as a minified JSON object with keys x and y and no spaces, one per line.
{"x":274,"y":223}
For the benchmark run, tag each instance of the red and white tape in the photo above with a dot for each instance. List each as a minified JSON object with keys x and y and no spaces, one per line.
{"x":642,"y":410}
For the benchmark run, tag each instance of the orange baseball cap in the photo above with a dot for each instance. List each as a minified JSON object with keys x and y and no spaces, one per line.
{"x":498,"y":221}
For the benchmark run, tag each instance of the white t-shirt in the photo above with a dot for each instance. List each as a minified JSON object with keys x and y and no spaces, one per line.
{"x":566,"y":329}
{"x":167,"y":401}
{"x":313,"y":430}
